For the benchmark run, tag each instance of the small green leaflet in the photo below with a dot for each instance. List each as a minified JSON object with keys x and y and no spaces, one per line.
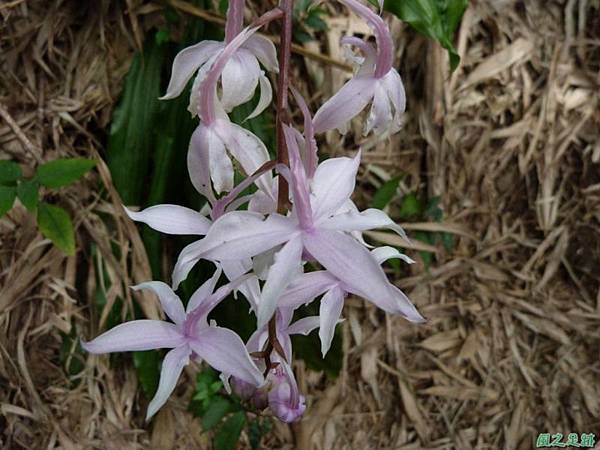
{"x":7,"y":198}
{"x":10,"y":172}
{"x":62,"y":172}
{"x":229,"y":433}
{"x":27,"y":191}
{"x":216,"y":410}
{"x":385,"y":193}
{"x":55,"y":224}
{"x":436,"y":19}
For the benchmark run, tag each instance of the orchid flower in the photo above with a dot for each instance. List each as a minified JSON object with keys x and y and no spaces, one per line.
{"x":313,"y":284}
{"x":241,"y":74}
{"x":376,"y":82}
{"x":315,"y":229}
{"x":190,"y":334}
{"x":280,"y":391}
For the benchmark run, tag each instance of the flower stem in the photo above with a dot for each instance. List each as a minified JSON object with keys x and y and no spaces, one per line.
{"x":285,"y":51}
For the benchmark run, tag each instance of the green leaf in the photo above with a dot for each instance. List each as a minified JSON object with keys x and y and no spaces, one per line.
{"x":148,"y":371}
{"x":385,"y":193}
{"x":216,"y":410}
{"x":27,"y":191}
{"x":55,"y":224}
{"x":229,"y":434}
{"x":62,"y":172}
{"x":7,"y":198}
{"x":410,"y":207}
{"x":10,"y":172}
{"x":436,"y":19}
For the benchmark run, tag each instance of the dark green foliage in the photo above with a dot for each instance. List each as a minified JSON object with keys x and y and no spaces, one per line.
{"x":436,"y":19}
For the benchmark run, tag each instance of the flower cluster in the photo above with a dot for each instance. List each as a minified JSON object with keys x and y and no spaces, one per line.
{"x":263,"y":250}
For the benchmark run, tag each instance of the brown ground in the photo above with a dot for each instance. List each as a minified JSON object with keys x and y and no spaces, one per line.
{"x":510,"y":141}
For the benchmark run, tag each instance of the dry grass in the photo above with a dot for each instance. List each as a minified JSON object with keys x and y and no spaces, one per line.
{"x":510,"y":141}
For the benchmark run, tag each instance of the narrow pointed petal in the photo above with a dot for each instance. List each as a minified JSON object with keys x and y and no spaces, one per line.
{"x":380,"y":116}
{"x":311,"y":158}
{"x":264,"y":50}
{"x":250,"y":289}
{"x":368,"y":219}
{"x":204,"y":291}
{"x":247,"y":149}
{"x":382,"y":254}
{"x":169,"y":301}
{"x":220,"y":294}
{"x":333,"y":185}
{"x":286,"y":267}
{"x":198,"y":160}
{"x":186,"y":63}
{"x":186,"y":261}
{"x":304,"y":326}
{"x":405,"y":307}
{"x":171,"y":219}
{"x":239,"y":79}
{"x":356,"y":268}
{"x":137,"y":335}
{"x":266,"y":95}
{"x":347,"y":103}
{"x":224,"y":350}
{"x":306,"y":288}
{"x":172,"y":366}
{"x":329,"y":313}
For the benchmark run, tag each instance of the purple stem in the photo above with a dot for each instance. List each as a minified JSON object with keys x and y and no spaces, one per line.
{"x":285,"y":52}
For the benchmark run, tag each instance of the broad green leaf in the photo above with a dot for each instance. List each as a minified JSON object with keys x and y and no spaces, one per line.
{"x":216,"y":410}
{"x":55,"y":224}
{"x":62,"y":172}
{"x":229,"y":433}
{"x":10,"y":172}
{"x":386,"y":193}
{"x":27,"y":191}
{"x":7,"y":198}
{"x":436,"y":19}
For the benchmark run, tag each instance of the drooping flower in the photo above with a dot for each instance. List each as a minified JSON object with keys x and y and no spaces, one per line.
{"x":190,"y":334}
{"x":376,"y":82}
{"x":241,"y":74}
{"x":280,"y":391}
{"x":315,"y":228}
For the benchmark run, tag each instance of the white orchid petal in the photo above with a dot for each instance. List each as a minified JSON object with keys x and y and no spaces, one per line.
{"x":172,"y":366}
{"x":187,"y":62}
{"x":266,"y":95}
{"x":169,"y":301}
{"x":171,"y":219}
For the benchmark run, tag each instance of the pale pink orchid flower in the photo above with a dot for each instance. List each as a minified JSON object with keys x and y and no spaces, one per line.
{"x":315,"y":229}
{"x":241,"y":74}
{"x":375,"y":82}
{"x":311,"y":285}
{"x":189,"y":335}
